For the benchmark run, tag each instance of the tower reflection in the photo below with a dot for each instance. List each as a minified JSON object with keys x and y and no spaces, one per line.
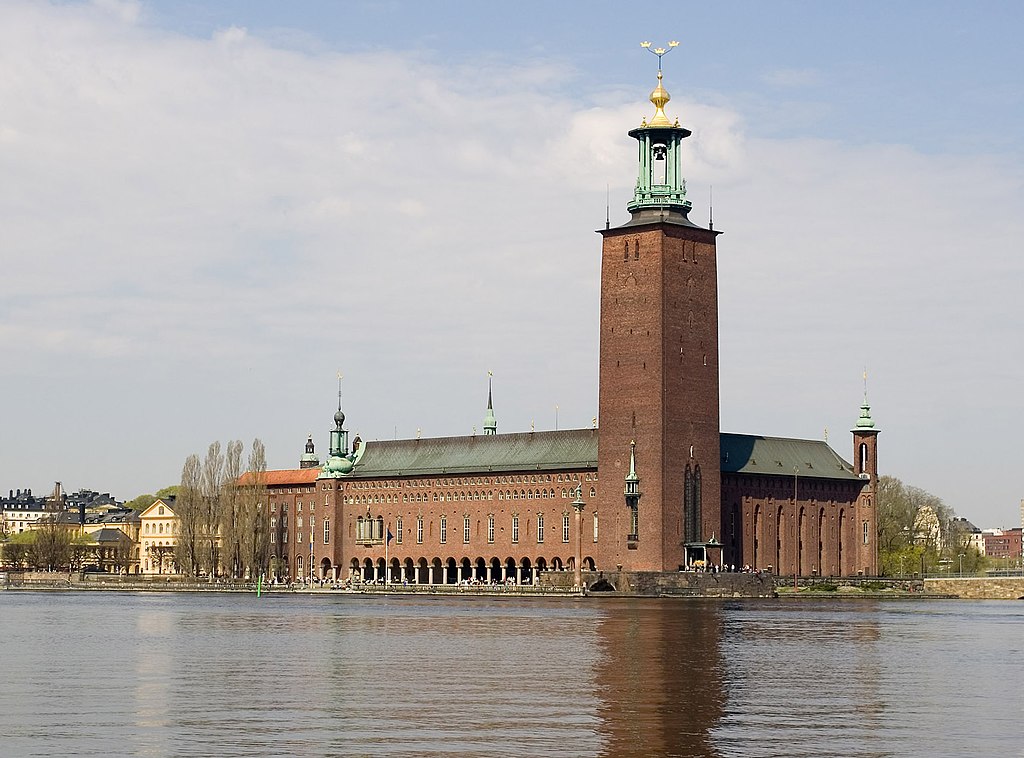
{"x":660,"y":677}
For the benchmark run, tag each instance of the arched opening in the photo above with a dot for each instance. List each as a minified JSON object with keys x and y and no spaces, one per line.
{"x":465,"y":570}
{"x":588,"y":564}
{"x":556,"y":564}
{"x":821,"y":543}
{"x":368,"y":570}
{"x":410,"y":572}
{"x":451,"y":575}
{"x":801,"y":523}
{"x":511,"y":575}
{"x":395,"y":574}
{"x":542,"y":565}
{"x":527,"y":572}
{"x":480,"y":570}
{"x":757,"y":537}
{"x":778,"y":541}
{"x":841,"y":568}
{"x":436,"y":572}
{"x":496,"y":573}
{"x":325,"y":569}
{"x":602,"y":585}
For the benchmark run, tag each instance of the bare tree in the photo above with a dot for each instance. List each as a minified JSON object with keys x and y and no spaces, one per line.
{"x":254,"y":525}
{"x":231,"y":511}
{"x":188,"y":508}
{"x":210,"y":515}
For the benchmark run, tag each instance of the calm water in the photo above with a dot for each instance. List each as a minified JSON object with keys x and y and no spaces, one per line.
{"x":98,"y":674}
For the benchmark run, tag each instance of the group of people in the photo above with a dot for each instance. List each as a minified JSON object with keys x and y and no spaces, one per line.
{"x":725,"y":568}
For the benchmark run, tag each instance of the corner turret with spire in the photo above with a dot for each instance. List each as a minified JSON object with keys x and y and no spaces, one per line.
{"x":490,"y":423}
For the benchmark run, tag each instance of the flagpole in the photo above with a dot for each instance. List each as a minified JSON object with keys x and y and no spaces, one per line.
{"x":387,"y":565}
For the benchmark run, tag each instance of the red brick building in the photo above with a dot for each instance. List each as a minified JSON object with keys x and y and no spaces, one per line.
{"x":658,"y":487}
{"x":1005,"y":544}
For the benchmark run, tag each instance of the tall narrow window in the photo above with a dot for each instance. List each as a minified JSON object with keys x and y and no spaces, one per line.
{"x":866,"y":532}
{"x":398,"y":530}
{"x":490,"y":528}
{"x":419,"y":530}
{"x":444,"y":529}
{"x":465,"y":530}
{"x":595,"y":526}
{"x":327,"y":531}
{"x":565,"y":527}
{"x":634,"y":522}
{"x":540,"y":527}
{"x":691,"y":504}
{"x":515,"y":529}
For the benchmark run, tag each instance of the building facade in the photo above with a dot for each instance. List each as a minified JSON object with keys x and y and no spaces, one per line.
{"x":658,"y":487}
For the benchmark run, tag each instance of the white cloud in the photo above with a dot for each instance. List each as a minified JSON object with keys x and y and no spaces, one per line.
{"x":198,"y":233}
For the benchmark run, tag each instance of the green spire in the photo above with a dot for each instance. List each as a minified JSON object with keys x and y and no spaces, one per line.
{"x":865,"y":422}
{"x":632,"y":480}
{"x":490,"y":423}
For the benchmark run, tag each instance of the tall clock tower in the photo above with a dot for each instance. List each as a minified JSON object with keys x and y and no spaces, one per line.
{"x":658,"y":453}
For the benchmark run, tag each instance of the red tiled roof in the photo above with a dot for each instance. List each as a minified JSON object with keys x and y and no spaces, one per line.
{"x":284,"y":476}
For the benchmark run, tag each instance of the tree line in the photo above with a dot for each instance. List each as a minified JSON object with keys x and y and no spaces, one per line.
{"x":223,"y":519}
{"x":919,"y":533}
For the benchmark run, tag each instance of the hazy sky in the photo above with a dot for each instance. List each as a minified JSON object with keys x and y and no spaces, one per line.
{"x":209,"y":209}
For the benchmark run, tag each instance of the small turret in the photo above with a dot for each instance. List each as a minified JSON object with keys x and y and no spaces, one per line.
{"x":309,"y":459}
{"x":632,"y":493}
{"x":490,"y":423}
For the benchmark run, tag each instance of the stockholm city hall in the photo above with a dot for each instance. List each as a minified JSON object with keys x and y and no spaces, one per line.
{"x":656,"y":486}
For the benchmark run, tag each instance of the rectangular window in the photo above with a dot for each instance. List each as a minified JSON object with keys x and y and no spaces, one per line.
{"x":490,"y":528}
{"x":565,"y":527}
{"x":399,"y":531}
{"x":284,"y":536}
{"x":298,"y":537}
{"x":444,"y":529}
{"x":284,"y":507}
{"x":465,"y":530}
{"x":327,"y":531}
{"x":273,"y":507}
{"x":298,"y":522}
{"x":865,"y":532}
{"x":273,"y":537}
{"x":273,"y":524}
{"x":595,"y":527}
{"x":540,"y":527}
{"x":419,"y":530}
{"x":515,"y":529}
{"x":298,"y":507}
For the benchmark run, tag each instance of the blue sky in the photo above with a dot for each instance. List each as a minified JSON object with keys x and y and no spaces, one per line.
{"x":211,"y":208}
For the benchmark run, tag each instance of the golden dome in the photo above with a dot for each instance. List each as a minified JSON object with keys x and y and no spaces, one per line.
{"x":660,"y":98}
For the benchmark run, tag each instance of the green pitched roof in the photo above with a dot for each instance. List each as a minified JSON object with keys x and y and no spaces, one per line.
{"x":524,"y":451}
{"x":577,"y":449}
{"x":751,"y":454}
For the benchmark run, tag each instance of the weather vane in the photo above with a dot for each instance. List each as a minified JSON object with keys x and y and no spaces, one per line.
{"x":661,"y":52}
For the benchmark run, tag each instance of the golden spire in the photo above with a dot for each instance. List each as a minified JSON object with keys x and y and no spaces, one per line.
{"x":659,"y":96}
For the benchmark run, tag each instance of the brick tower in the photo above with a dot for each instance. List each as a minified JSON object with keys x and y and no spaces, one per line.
{"x":658,"y":453}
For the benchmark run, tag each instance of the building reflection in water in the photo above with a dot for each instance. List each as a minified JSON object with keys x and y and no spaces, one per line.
{"x":660,"y":677}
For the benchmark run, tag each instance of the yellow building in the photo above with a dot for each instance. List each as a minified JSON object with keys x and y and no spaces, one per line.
{"x":158,"y":530}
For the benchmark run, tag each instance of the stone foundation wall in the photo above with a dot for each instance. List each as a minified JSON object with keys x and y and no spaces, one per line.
{"x":978,"y":588}
{"x":671,"y":583}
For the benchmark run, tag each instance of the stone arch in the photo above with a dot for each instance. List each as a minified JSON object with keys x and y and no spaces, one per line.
{"x":325,"y":568}
{"x":588,"y":564}
{"x":451,"y":573}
